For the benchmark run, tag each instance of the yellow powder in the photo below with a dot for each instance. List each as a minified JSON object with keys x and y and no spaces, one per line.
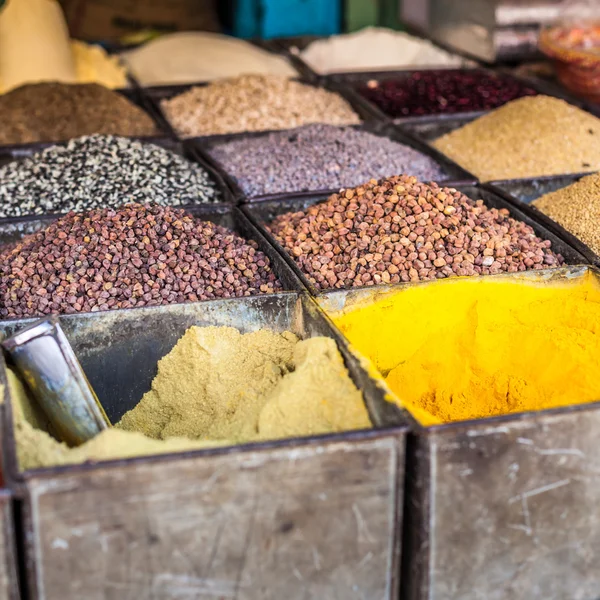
{"x":216,"y":387}
{"x":219,"y":384}
{"x":469,"y":348}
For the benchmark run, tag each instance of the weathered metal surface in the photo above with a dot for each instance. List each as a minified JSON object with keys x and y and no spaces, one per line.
{"x":9,"y":585}
{"x":502,"y":508}
{"x":311,"y":518}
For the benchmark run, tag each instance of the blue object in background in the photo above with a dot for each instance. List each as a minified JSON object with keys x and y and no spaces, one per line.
{"x":286,"y":18}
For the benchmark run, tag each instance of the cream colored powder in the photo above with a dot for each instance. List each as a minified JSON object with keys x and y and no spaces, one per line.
{"x":216,"y":387}
{"x":376,"y":48}
{"x":193,"y":56}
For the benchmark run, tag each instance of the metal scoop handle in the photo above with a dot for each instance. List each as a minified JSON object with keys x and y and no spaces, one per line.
{"x":45,"y":360}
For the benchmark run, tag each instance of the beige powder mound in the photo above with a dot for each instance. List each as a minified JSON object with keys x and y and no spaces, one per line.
{"x":216,"y":387}
{"x":528,"y":137}
{"x":36,"y":447}
{"x":218,"y":384}
{"x":255,"y":103}
{"x":577,"y":209}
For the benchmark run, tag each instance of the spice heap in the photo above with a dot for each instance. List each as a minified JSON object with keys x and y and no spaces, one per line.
{"x":491,"y":346}
{"x":101,"y":171}
{"x":529,"y":137}
{"x":443,"y":92}
{"x":254,"y":103}
{"x":577,"y":209}
{"x":35,"y":46}
{"x":218,"y":386}
{"x":318,"y":157}
{"x":135,"y":256}
{"x":375,"y":48}
{"x":194,"y":56}
{"x":398,"y":229}
{"x":52,"y":112}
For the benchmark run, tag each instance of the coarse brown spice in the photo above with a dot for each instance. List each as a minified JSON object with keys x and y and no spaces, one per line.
{"x":135,"y":256}
{"x":529,"y":137}
{"x":398,"y":229}
{"x":254,"y":103}
{"x":52,"y":112}
{"x":577,"y":208}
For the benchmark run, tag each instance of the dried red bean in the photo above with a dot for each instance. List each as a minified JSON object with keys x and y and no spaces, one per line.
{"x":403,"y":230}
{"x":119,"y":259}
{"x":437,"y":92}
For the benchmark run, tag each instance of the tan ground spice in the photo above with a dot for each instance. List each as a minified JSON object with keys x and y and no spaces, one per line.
{"x":577,"y":208}
{"x":255,"y":103}
{"x":529,"y":137}
{"x":216,"y":387}
{"x":218,"y":384}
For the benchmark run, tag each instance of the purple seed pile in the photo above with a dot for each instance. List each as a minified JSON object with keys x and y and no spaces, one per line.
{"x":443,"y":92}
{"x":398,"y":229}
{"x":135,"y":256}
{"x":318,"y":157}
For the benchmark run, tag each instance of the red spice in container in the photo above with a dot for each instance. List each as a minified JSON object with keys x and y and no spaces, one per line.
{"x":443,"y":92}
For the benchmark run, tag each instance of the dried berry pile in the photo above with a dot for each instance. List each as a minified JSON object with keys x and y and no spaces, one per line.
{"x":398,"y":229}
{"x":101,"y":171}
{"x":135,"y":256}
{"x":254,"y":103}
{"x":52,"y":112}
{"x":443,"y":92}
{"x":318,"y":157}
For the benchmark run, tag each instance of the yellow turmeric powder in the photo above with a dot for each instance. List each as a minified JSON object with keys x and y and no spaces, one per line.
{"x":470,"y":348}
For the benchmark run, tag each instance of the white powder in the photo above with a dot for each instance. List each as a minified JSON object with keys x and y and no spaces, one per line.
{"x":375,"y":48}
{"x":191,"y":56}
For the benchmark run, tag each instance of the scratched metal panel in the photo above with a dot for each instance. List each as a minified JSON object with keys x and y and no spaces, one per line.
{"x":315,"y":518}
{"x":511,"y":510}
{"x":9,"y":585}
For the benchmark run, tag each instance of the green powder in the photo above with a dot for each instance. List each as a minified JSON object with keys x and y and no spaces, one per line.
{"x":216,"y":387}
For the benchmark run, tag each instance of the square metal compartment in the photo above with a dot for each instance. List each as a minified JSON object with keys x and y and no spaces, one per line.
{"x":302,"y":518}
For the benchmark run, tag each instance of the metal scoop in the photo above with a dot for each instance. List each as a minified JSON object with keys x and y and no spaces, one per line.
{"x":46,"y":362}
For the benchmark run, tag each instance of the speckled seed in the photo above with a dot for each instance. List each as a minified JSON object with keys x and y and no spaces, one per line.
{"x":101,"y":171}
{"x":398,"y":229}
{"x":318,"y":157}
{"x":135,"y":256}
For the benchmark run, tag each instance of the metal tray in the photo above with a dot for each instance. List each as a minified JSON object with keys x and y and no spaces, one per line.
{"x":232,"y":508}
{"x":262,"y":213}
{"x":133,"y":95}
{"x":502,"y":507}
{"x":12,"y":230}
{"x":521,"y":192}
{"x":454,"y":173}
{"x":9,"y":154}
{"x":156,"y":94}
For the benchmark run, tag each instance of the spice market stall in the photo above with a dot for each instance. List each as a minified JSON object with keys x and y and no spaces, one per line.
{"x":310,"y":317}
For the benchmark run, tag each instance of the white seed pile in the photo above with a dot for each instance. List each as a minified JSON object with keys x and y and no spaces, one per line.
{"x":100,"y":171}
{"x":254,"y":103}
